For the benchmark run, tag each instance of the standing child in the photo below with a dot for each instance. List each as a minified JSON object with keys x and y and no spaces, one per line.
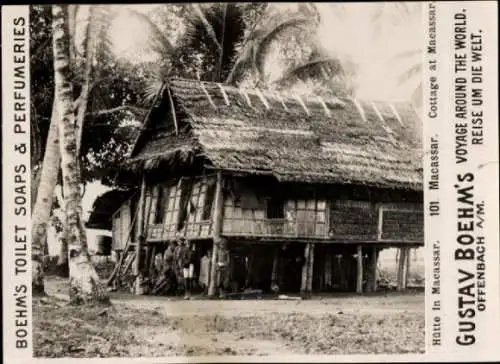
{"x":205,"y":271}
{"x":187,"y":257}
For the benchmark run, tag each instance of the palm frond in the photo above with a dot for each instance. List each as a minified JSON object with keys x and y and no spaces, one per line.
{"x":309,"y":10}
{"x":72,"y":11}
{"x":152,"y":89}
{"x":246,"y":53}
{"x":411,"y":72}
{"x":104,"y":19}
{"x":408,"y":54}
{"x":242,"y":63}
{"x":158,"y":41}
{"x":209,"y":28}
{"x":263,"y":45}
{"x":333,"y":65}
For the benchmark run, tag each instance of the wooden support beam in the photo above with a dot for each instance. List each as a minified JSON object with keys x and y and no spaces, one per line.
{"x":321,"y":271}
{"x":139,"y":237}
{"x":274,"y":273}
{"x":343,"y":269}
{"x":249,"y":281}
{"x":407,"y":268}
{"x":172,"y":111}
{"x":401,"y":268}
{"x":374,"y":262}
{"x":310,"y":273}
{"x":328,"y":269}
{"x":359,"y":280}
{"x":216,"y":232}
{"x":152,"y":261}
{"x":305,"y":270}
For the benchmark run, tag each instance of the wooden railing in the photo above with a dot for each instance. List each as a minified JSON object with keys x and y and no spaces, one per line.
{"x":392,"y":228}
{"x":192,"y":230}
{"x":273,"y":228}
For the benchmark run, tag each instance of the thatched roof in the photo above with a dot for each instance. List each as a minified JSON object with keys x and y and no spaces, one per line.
{"x":309,"y":140}
{"x":103,"y":208}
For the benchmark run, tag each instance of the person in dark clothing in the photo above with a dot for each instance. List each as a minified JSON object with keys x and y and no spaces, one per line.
{"x":168,"y":267}
{"x":178,"y":265}
{"x":187,"y":257}
{"x":166,"y":281}
{"x":223,"y":266}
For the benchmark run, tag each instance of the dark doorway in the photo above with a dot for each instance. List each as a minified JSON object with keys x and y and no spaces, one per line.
{"x":275,"y":208}
{"x":291,"y":263}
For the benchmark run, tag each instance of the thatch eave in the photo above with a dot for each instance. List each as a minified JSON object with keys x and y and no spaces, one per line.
{"x":294,"y":139}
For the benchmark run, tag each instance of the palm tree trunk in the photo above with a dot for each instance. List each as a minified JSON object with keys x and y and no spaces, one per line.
{"x":85,"y":286}
{"x":36,"y":173}
{"x":41,"y":211}
{"x":63,"y":261}
{"x":84,"y":94}
{"x":57,"y":223}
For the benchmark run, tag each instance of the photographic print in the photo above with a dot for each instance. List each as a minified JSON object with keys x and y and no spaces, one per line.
{"x":240,"y":181}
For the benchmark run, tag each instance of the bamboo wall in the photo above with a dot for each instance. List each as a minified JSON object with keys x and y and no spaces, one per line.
{"x":246,"y":213}
{"x":122,"y":220}
{"x":169,"y":196}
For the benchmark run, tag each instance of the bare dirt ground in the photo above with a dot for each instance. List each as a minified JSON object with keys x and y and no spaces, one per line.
{"x":161,"y":326}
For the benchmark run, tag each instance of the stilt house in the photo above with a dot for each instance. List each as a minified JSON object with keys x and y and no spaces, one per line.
{"x":305,"y":191}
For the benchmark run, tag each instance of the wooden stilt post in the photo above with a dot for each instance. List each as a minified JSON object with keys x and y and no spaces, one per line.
{"x":216,"y":232}
{"x":407,"y":270}
{"x":139,"y":238}
{"x":147,"y":257}
{"x":305,"y":270}
{"x":401,"y":266}
{"x":310,"y":273}
{"x":274,"y":273}
{"x":374,"y":269}
{"x":359,"y":280}
{"x":343,"y":269}
{"x":328,"y":269}
{"x":321,"y":270}
{"x":152,"y":261}
{"x":250,"y":268}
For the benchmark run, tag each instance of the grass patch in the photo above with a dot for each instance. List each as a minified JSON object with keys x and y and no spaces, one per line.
{"x":61,"y":330}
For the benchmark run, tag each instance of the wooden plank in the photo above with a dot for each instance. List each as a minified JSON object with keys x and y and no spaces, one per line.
{"x":407,"y":267}
{"x":374,"y":269}
{"x":274,"y":273}
{"x":310,"y":273}
{"x":249,"y":281}
{"x":359,"y":280}
{"x":128,"y":243}
{"x":140,"y":236}
{"x":172,"y":111}
{"x":380,"y":222}
{"x":401,"y":266}
{"x":305,"y":269}
{"x":152,"y":260}
{"x":328,"y":269}
{"x":216,"y":232}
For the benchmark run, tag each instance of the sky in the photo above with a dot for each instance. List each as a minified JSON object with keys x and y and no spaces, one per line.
{"x":353,"y":34}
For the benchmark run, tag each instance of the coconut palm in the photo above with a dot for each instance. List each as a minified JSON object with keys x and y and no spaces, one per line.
{"x":49,"y":167}
{"x":408,"y":61}
{"x":221,"y":44}
{"x":411,"y":75}
{"x":84,"y":282}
